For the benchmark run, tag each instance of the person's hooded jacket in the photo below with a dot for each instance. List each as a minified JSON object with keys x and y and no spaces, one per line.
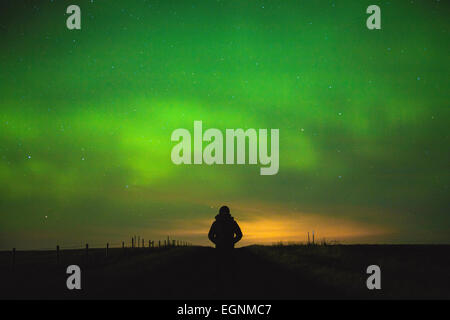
{"x":225,"y":231}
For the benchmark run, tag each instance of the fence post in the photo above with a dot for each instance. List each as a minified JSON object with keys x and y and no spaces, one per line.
{"x":107,"y":247}
{"x":132,"y":242}
{"x":143,"y":243}
{"x":173,"y":243}
{"x":159,"y":243}
{"x":57,"y":254}
{"x":87,"y":252}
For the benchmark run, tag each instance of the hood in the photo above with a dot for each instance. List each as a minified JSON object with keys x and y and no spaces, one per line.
{"x":224,"y":216}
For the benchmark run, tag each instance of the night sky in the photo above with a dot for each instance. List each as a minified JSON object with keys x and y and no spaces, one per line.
{"x":87,"y":115}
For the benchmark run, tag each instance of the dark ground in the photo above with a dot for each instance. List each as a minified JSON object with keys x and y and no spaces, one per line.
{"x":256,"y":272}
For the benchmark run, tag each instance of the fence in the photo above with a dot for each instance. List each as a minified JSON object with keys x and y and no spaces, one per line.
{"x":137,"y":245}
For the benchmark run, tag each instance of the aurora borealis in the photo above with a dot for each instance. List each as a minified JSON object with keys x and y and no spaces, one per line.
{"x":86,"y":119}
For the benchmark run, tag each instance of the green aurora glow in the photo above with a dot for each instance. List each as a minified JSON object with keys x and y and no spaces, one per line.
{"x":86,"y":118}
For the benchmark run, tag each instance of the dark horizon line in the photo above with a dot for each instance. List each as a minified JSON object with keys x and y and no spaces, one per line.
{"x":250,"y":245}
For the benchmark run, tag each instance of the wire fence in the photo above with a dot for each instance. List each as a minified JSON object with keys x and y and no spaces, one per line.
{"x":90,"y":252}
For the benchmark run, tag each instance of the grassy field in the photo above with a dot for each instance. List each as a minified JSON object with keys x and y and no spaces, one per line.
{"x":254,"y":272}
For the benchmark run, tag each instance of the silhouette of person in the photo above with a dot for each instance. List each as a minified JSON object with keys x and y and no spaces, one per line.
{"x":225,"y":231}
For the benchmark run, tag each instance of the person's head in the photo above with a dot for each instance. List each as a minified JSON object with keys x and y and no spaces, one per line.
{"x":224,"y":210}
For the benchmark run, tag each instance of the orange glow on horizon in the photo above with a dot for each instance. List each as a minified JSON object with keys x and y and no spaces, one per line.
{"x":267,"y":230}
